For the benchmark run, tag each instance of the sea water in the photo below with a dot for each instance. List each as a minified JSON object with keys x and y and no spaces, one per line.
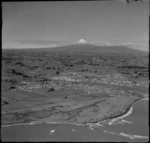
{"x":133,"y":126}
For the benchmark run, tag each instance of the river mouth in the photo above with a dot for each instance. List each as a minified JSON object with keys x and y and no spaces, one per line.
{"x":132,"y":127}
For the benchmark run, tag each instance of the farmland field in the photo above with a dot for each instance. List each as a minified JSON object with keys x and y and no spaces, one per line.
{"x":71,"y":85}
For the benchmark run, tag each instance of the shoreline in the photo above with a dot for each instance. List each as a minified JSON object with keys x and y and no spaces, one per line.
{"x":128,"y":111}
{"x":113,"y":119}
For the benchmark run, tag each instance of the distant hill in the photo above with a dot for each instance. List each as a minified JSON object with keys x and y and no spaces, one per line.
{"x":90,"y":48}
{"x":96,"y":48}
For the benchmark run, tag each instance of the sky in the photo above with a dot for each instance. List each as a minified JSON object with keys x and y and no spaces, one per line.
{"x":50,"y":24}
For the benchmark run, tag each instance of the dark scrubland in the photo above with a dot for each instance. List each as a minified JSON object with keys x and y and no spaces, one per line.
{"x":75,"y":84}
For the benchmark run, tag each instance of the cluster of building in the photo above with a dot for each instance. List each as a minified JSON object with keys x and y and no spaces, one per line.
{"x":114,"y":79}
{"x":82,"y":82}
{"x":91,"y":89}
{"x":109,"y":79}
{"x":30,"y":86}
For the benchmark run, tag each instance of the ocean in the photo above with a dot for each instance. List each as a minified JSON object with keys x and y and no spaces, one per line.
{"x":131,"y":127}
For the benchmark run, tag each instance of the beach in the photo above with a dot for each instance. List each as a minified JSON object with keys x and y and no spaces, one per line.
{"x":131,"y":127}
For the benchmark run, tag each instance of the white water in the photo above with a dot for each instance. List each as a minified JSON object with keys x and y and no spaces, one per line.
{"x":118,"y":129}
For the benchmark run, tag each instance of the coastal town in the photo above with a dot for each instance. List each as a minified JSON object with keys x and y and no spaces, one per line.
{"x":75,"y":71}
{"x":67,"y":88}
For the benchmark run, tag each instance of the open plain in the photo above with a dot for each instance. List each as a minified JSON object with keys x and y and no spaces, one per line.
{"x":79,"y":83}
{"x":75,"y":71}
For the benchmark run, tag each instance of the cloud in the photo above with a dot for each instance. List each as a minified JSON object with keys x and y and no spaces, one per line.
{"x":116,"y":44}
{"x":41,"y":42}
{"x":139,"y":45}
{"x":32,"y":43}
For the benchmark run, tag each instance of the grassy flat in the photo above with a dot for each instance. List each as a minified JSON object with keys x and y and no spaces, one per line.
{"x":68,"y":85}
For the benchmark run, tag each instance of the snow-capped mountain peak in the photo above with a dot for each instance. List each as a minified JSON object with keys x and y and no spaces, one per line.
{"x":82,"y":41}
